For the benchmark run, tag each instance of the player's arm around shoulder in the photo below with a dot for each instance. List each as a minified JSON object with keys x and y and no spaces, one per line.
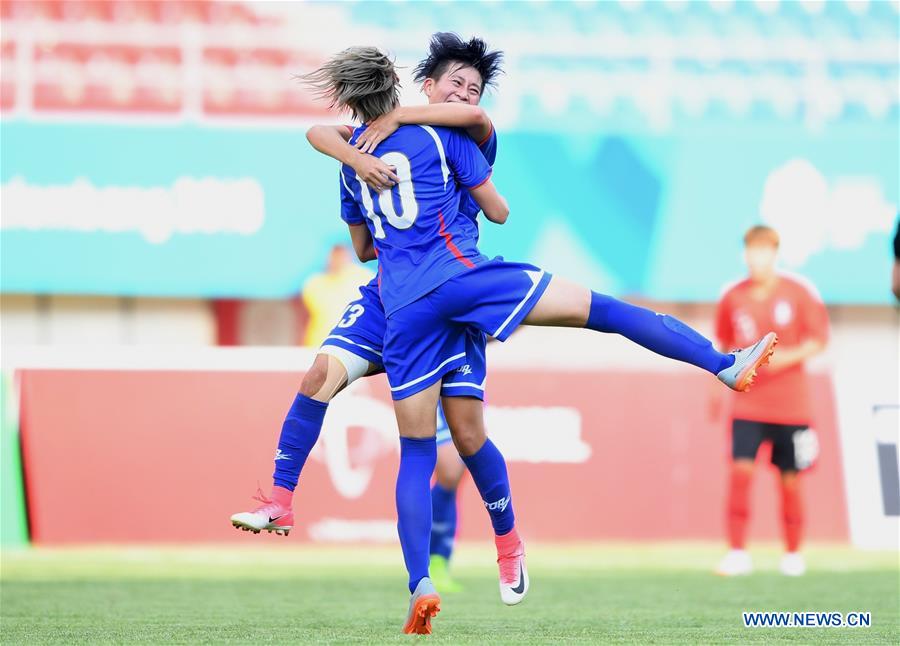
{"x":333,"y":142}
{"x":471,"y":118}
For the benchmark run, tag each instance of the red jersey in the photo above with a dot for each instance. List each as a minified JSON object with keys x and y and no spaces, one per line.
{"x":797,"y":314}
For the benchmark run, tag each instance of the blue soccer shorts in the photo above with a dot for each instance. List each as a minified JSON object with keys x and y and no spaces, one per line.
{"x":358,"y":340}
{"x":428,"y":339}
{"x":361,"y":328}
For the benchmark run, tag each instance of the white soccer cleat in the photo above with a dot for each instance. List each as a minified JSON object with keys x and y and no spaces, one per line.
{"x":793,"y":564}
{"x":269,"y":516}
{"x":747,"y":361}
{"x":513,"y":573}
{"x":514,"y":588}
{"x":735,"y":563}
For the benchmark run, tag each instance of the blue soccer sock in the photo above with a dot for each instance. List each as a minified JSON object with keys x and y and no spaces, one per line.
{"x":417,"y":460}
{"x":661,"y":333}
{"x":443,"y":520}
{"x":298,"y":436}
{"x":488,"y":469}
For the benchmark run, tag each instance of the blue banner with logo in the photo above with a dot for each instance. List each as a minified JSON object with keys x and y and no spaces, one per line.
{"x":206,"y":211}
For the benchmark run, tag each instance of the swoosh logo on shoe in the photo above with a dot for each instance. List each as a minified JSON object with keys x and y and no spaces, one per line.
{"x":272,"y":520}
{"x":519,"y":589}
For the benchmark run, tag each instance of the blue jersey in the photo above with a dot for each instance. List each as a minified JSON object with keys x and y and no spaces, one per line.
{"x":421,"y":236}
{"x":467,"y":205}
{"x":488,"y":148}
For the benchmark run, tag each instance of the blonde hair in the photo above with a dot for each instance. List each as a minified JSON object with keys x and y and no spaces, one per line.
{"x":359,"y":79}
{"x":761,"y":234}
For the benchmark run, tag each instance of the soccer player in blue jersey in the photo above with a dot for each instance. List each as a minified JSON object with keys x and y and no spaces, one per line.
{"x":455,"y":72}
{"x":453,"y":76}
{"x":435,"y":285}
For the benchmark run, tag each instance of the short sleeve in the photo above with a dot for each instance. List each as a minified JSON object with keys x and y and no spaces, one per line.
{"x":488,"y":147}
{"x":350,"y":211}
{"x":814,"y":316}
{"x":724,"y":331}
{"x":466,"y":161}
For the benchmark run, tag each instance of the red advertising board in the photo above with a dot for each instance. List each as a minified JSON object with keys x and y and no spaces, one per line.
{"x":149,"y":456}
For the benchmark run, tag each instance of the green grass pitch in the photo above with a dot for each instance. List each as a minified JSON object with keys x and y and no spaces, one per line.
{"x":276,"y":593}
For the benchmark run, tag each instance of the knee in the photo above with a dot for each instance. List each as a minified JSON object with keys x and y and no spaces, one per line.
{"x":448,"y":477}
{"x":468,"y":438}
{"x":315,"y":377}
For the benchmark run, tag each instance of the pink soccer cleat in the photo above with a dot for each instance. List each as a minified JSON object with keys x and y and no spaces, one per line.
{"x":513,"y":573}
{"x":274,"y":515}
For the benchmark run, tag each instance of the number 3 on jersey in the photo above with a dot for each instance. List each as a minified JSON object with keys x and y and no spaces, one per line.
{"x":351,"y":314}
{"x":385,"y":207}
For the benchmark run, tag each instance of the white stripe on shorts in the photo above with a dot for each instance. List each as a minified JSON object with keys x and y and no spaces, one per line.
{"x":536,"y":278}
{"x":464,"y":384}
{"x":346,"y":340}
{"x":430,"y":374}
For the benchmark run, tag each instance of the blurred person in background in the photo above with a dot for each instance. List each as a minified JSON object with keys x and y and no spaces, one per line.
{"x":326,"y":295}
{"x":778,"y":409}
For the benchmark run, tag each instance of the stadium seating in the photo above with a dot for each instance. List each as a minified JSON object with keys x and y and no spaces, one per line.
{"x":631,"y":64}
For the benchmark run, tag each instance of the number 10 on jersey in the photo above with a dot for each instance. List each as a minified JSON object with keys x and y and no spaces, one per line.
{"x":385,"y":207}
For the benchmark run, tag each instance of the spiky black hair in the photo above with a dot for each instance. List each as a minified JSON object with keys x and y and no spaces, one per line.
{"x":447,"y":47}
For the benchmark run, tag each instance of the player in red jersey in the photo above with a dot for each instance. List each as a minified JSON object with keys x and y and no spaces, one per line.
{"x":778,"y":409}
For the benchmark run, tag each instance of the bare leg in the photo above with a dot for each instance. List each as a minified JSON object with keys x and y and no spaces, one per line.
{"x":564,"y":304}
{"x":417,"y":415}
{"x":325,"y":378}
{"x":465,"y":417}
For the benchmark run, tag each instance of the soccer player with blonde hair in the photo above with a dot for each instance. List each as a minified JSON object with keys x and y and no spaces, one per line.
{"x":436,"y":285}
